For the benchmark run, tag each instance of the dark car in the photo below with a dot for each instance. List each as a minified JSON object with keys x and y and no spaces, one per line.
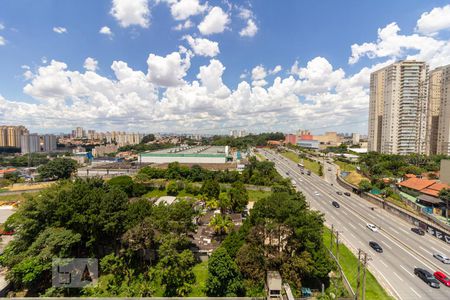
{"x":375,"y":246}
{"x":339,"y":192}
{"x":418,"y":231}
{"x":347,"y":194}
{"x":427,"y":277}
{"x":335,"y":204}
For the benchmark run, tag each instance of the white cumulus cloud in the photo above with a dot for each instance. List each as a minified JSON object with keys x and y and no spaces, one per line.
{"x":391,"y":44}
{"x":202,"y":46}
{"x":90,"y":64}
{"x":131,"y":12}
{"x":216,"y":21}
{"x":2,"y":41}
{"x":183,"y":9}
{"x":60,"y":30}
{"x":106,"y":31}
{"x":169,"y":70}
{"x":435,"y":20}
{"x":250,"y":30}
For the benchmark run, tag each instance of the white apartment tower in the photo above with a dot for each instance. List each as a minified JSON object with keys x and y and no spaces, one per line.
{"x":398,"y":108}
{"x":443,"y":135}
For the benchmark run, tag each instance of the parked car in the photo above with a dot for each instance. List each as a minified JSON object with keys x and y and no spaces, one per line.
{"x":347,"y":194}
{"x":418,"y":231}
{"x":442,"y":258}
{"x":427,"y":277}
{"x":329,"y":169}
{"x":372,"y":227}
{"x":442,"y":278}
{"x":375,"y":246}
{"x":335,"y":204}
{"x":339,"y":192}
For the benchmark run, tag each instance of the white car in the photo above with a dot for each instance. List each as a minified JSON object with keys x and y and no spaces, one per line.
{"x":316,"y":193}
{"x":372,"y":227}
{"x":442,"y":258}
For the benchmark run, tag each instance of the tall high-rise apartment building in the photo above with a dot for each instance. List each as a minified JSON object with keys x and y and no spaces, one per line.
{"x":398,"y":108}
{"x":10,"y":135}
{"x":49,"y":142}
{"x":434,"y":104}
{"x":79,"y":133}
{"x":30,"y":143}
{"x":443,"y":135}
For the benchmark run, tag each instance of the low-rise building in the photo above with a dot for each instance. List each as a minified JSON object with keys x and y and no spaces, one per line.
{"x":188,"y":154}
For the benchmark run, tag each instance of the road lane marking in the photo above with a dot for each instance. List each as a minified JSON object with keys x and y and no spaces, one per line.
{"x":388,"y":246}
{"x":418,"y":295}
{"x":401,"y":279}
{"x":383,"y":263}
{"x":352,"y":235}
{"x":353,"y":226}
{"x":394,"y":230}
{"x":344,"y":213}
{"x":425,"y":250}
{"x":406,"y":270}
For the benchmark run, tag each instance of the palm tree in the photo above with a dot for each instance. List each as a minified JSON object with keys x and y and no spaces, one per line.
{"x":221,"y":225}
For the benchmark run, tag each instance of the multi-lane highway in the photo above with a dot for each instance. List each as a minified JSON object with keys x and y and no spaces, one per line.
{"x":403,"y":250}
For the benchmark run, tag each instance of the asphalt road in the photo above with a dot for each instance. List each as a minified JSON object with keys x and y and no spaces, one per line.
{"x":403,"y":250}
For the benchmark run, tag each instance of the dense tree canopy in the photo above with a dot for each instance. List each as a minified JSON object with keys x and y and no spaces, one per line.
{"x":247,"y":141}
{"x":59,"y":168}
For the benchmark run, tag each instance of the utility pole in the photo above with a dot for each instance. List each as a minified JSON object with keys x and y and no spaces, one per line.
{"x":358,"y":275}
{"x":337,"y":246}
{"x":331,"y":238}
{"x":364,"y":276}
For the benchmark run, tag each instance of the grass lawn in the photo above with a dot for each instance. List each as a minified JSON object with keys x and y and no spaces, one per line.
{"x":201,"y":273}
{"x":14,"y":198}
{"x":355,"y":178}
{"x":349,"y":263}
{"x":261,"y":157}
{"x":345,"y":166}
{"x":257,"y":195}
{"x":310,"y":165}
{"x":156,"y":193}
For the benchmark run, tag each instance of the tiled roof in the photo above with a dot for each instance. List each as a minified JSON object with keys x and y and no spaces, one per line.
{"x":417,"y":183}
{"x":434,"y":189}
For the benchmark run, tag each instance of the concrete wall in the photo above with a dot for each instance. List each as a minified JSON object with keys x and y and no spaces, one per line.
{"x":445,"y":171}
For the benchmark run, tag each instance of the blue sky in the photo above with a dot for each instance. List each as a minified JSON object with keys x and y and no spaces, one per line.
{"x":316,"y":34}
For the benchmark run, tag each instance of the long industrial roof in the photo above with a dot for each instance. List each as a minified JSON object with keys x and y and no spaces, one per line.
{"x":192,"y":151}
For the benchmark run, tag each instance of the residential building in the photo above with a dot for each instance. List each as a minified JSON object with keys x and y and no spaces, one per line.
{"x":10,"y":135}
{"x":434,"y":103}
{"x":49,"y":142}
{"x":355,"y":138}
{"x":79,"y":133}
{"x":100,"y":151}
{"x":398,"y":108}
{"x":30,"y":143}
{"x":443,"y":135}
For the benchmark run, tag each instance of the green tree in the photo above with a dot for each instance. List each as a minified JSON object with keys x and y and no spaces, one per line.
{"x":238,"y":197}
{"x":125,"y":183}
{"x":365,"y":185}
{"x":175,"y":269}
{"x":59,"y":168}
{"x":320,"y":170}
{"x":148,"y":138}
{"x":210,"y":188}
{"x":172,"y":188}
{"x":224,"y":279}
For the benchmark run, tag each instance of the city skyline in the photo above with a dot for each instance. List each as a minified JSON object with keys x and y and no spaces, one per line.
{"x":220,"y":67}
